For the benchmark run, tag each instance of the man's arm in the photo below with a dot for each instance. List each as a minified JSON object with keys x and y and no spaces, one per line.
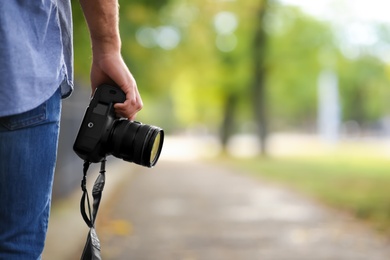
{"x":107,"y":64}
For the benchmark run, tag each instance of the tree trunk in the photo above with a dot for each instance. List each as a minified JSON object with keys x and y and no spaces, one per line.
{"x":258,"y":88}
{"x":227,"y":128}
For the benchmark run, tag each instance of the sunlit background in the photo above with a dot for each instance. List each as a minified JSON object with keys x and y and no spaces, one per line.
{"x":296,"y":91}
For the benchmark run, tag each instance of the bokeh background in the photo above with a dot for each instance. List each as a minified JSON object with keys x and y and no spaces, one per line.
{"x":294,"y":91}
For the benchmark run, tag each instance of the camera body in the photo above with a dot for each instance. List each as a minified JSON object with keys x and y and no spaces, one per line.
{"x":103,"y":133}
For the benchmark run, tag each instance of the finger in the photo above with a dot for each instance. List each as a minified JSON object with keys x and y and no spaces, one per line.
{"x":128,"y":109}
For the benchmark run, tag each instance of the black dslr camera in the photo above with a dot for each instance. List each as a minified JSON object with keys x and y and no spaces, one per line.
{"x":103,"y":133}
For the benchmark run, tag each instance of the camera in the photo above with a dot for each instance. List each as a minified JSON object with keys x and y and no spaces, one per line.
{"x":103,"y":133}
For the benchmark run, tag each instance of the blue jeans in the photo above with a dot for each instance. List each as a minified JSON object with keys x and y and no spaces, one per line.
{"x":28,"y":151}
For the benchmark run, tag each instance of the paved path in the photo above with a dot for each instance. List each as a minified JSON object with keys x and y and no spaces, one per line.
{"x":198,"y":211}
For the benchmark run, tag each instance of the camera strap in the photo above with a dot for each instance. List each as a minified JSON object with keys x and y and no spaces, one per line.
{"x":92,"y":246}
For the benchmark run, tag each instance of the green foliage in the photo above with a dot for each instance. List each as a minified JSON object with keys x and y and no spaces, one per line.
{"x":152,"y":4}
{"x":365,"y":92}
{"x":188,"y":83}
{"x":82,"y":45}
{"x":294,"y":63}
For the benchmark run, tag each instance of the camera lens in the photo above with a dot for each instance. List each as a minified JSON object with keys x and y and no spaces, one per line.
{"x":155,"y":152}
{"x":136,"y":142}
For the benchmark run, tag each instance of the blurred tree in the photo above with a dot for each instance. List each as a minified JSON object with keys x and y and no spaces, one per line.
{"x":259,"y":75}
{"x":365,"y":91}
{"x":236,"y":66}
{"x":299,"y":48}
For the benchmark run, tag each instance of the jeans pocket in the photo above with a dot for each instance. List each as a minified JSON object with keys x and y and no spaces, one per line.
{"x":30,"y":118}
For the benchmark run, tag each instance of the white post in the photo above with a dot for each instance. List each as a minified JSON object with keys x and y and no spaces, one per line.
{"x":329,"y":112}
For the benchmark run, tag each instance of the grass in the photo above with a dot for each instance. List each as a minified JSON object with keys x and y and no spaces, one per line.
{"x":359,"y":184}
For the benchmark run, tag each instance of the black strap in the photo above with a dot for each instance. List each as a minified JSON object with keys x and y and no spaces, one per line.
{"x":85,"y":197}
{"x":92,"y":246}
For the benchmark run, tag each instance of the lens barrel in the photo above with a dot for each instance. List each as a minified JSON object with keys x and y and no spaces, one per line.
{"x":136,"y":142}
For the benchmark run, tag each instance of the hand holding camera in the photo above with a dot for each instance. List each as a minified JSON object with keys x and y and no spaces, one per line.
{"x":103,"y":133}
{"x":109,"y":68}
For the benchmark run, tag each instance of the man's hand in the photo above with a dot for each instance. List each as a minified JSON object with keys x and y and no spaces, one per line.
{"x":111,"y":69}
{"x":107,"y":65}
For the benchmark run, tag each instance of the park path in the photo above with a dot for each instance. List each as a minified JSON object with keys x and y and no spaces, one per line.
{"x":193,"y":210}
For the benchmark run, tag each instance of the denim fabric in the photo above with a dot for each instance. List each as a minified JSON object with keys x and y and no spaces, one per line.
{"x":28,"y":150}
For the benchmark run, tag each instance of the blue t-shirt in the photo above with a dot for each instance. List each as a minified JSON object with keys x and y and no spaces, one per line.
{"x":36,"y":53}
